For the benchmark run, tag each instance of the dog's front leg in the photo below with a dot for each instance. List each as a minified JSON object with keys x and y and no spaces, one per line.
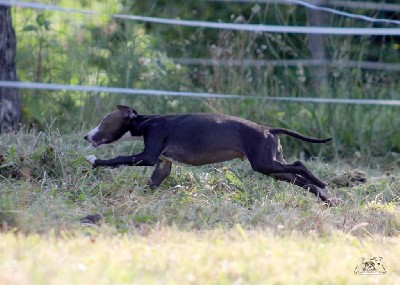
{"x":162,"y":170}
{"x":153,"y":147}
{"x":140,"y":159}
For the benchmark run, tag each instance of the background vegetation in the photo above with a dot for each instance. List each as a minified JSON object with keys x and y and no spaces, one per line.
{"x":217,"y":224}
{"x":69,"y":48}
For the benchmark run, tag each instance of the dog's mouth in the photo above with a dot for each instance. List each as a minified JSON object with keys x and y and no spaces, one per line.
{"x":99,"y":143}
{"x":95,"y":144}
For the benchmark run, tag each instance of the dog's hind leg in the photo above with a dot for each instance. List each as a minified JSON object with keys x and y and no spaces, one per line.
{"x":269,"y":165}
{"x":300,"y":181}
{"x":268,"y":159}
{"x":323,"y":194}
{"x":299,"y":168}
{"x":162,"y":170}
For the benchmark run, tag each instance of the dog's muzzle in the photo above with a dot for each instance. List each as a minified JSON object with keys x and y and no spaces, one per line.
{"x":93,"y":142}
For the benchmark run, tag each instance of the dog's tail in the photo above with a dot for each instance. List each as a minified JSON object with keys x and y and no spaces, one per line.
{"x":279,"y":131}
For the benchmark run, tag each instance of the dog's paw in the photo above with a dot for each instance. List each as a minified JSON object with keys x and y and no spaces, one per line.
{"x":91,"y":159}
{"x":328,"y":198}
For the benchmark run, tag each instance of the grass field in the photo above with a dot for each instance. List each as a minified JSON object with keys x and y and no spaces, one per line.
{"x":169,"y":256}
{"x":219,"y":224}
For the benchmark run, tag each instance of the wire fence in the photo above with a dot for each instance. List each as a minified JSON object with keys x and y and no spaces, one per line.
{"x":227,"y":26}
{"x":364,"y":5}
{"x":255,"y":28}
{"x":156,"y":92}
{"x":294,"y":62}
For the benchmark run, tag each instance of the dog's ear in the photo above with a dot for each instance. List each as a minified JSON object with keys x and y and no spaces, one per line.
{"x":127,"y":112}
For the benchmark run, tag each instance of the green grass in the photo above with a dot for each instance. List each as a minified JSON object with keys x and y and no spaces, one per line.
{"x":217,"y":224}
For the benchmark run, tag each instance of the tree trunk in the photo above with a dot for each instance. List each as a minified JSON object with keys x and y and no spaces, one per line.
{"x":10,"y":103}
{"x":316,"y":44}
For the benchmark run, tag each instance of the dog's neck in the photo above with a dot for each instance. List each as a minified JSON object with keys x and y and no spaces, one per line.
{"x":136,"y":125}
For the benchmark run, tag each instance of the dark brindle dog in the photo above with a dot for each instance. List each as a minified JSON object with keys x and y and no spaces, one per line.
{"x":198,"y":139}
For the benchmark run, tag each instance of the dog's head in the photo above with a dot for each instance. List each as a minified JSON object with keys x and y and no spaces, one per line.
{"x":113,"y":127}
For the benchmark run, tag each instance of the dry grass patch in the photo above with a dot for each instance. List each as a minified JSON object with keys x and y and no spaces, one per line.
{"x":169,"y":256}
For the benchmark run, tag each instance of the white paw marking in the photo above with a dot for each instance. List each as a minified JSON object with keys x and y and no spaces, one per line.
{"x":91,"y":158}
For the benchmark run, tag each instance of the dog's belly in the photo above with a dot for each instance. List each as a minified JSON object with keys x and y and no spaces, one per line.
{"x":196,"y":159}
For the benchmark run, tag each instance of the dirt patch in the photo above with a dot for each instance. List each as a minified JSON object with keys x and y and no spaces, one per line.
{"x":349,"y":178}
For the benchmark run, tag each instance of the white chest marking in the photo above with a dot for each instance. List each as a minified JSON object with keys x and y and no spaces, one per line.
{"x":128,"y":137}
